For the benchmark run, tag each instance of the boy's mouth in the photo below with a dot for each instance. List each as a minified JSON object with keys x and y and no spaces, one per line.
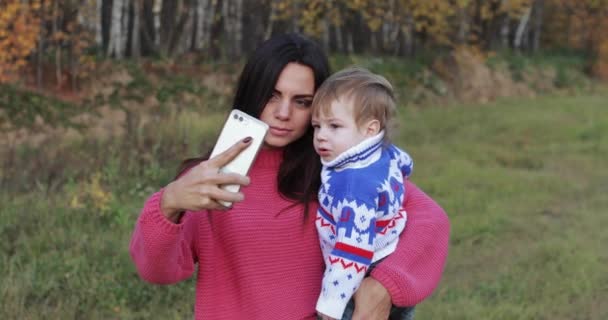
{"x":323,"y":152}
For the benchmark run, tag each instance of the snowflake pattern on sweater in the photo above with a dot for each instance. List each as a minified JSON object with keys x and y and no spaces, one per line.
{"x":359,"y":217}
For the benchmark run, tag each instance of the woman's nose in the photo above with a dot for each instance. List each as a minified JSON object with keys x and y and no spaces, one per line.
{"x":283,"y":110}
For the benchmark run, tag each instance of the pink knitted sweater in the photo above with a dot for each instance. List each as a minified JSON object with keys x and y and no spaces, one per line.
{"x":256,"y":264}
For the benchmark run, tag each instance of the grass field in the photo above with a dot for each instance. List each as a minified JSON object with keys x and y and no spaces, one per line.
{"x":523,"y":181}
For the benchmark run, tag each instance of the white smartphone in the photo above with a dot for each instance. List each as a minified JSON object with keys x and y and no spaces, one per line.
{"x":239,"y":126}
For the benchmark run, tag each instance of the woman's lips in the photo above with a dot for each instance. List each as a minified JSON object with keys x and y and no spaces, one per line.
{"x":279,"y":132}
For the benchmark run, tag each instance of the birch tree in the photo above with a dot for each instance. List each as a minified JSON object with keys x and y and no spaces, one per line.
{"x":232,"y":14}
{"x":136,"y":32}
{"x":521,"y":28}
{"x":205,"y":16}
{"x":118,"y":29}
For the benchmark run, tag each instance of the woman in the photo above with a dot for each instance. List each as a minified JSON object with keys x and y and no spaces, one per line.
{"x":261,"y":259}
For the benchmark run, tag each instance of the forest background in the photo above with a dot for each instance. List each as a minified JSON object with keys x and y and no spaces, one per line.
{"x":502,"y":104}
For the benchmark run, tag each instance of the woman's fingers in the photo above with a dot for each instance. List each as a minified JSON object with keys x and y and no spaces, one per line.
{"x":219,"y":194}
{"x":222,"y":178}
{"x":216,"y":206}
{"x":200,"y":188}
{"x":225,"y":157}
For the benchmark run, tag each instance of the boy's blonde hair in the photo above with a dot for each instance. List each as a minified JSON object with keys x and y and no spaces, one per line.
{"x":371,"y":96}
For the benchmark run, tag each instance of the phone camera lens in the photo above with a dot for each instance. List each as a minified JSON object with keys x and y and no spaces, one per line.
{"x":235,"y":116}
{"x":240,"y":118}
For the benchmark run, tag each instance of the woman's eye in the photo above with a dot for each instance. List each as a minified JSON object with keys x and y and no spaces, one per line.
{"x":304,"y":102}
{"x":334,"y":126}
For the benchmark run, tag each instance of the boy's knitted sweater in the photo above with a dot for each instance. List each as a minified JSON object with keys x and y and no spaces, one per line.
{"x":257,"y":263}
{"x":359,"y":218}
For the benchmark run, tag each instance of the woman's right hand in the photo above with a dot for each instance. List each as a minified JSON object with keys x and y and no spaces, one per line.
{"x":199,"y":188}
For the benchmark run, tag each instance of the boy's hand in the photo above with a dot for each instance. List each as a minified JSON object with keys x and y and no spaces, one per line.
{"x":372,"y":301}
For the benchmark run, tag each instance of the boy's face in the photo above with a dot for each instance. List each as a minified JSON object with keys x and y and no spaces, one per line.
{"x":337,"y":131}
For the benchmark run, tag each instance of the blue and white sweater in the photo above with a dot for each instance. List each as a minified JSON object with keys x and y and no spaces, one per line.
{"x":359,"y":218}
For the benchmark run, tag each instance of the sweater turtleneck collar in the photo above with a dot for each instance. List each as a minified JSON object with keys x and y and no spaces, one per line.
{"x":269,"y":157}
{"x":359,"y":154}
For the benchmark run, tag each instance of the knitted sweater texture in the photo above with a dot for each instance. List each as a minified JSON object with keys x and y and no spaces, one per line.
{"x":359,"y":219}
{"x":261,"y":259}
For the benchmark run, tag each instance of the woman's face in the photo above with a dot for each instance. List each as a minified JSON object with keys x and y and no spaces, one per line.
{"x":288,"y":110}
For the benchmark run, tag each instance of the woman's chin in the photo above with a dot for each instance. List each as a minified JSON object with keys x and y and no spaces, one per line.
{"x":272,"y":141}
{"x":275,"y":143}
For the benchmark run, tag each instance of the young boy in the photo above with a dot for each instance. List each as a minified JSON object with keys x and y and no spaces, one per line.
{"x":359,"y":219}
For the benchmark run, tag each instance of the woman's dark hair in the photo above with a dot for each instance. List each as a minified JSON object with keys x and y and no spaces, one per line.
{"x":299,"y":173}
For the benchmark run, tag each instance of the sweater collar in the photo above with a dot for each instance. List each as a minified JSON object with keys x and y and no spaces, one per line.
{"x":269,"y":157}
{"x":363,"y":153}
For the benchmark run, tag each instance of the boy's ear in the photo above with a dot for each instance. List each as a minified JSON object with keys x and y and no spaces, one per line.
{"x":372,"y":128}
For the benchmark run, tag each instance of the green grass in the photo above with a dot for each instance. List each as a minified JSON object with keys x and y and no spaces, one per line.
{"x":523,"y":182}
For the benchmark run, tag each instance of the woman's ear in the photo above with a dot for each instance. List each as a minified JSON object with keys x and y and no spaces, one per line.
{"x":372,"y":128}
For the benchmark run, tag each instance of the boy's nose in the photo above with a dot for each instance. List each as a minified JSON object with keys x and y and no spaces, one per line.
{"x":319,"y":135}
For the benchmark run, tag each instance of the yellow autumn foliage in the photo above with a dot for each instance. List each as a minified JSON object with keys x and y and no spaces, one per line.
{"x":19,"y":29}
{"x":93,"y":195}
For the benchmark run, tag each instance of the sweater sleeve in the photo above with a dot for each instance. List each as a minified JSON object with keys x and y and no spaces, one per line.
{"x":163,"y":252}
{"x":413,"y":270}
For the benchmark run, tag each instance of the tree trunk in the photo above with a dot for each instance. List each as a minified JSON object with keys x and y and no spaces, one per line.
{"x":176,"y":34}
{"x":41,"y":38}
{"x":232,"y":13}
{"x":408,"y":36}
{"x":135,"y":35}
{"x":396,"y":44}
{"x":387,"y":26}
{"x":168,"y":21}
{"x":147,"y":31}
{"x":294,"y":20}
{"x":124,"y":24}
{"x":73,"y":70}
{"x":538,"y":23}
{"x":157,"y":10}
{"x":505,"y":26}
{"x":271,"y":18}
{"x":115,"y":43}
{"x":339,"y":38}
{"x":55,"y":28}
{"x":200,"y":24}
{"x":210,"y":20}
{"x":99,"y":24}
{"x":504,"y":31}
{"x":385,"y":31}
{"x":523,"y":23}
{"x":463,"y":25}
{"x":350,"y":46}
{"x":373,"y":40}
{"x":325,"y":35}
{"x":238,"y":27}
{"x":187,"y":35}
{"x":227,"y":27}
